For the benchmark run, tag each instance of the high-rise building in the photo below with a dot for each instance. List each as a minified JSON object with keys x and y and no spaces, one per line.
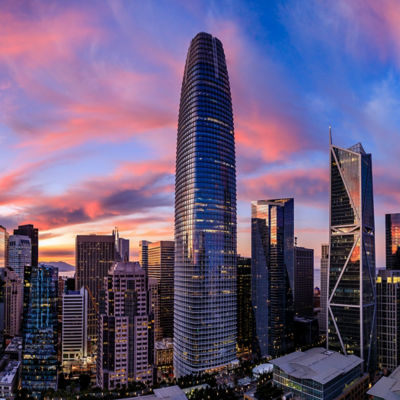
{"x":322,"y":317}
{"x":94,"y":255}
{"x":74,"y":328}
{"x":19,"y":253}
{"x":244,"y":307}
{"x":272,"y":263}
{"x":39,"y":364}
{"x":351,"y":284}
{"x":205,"y":214}
{"x":33,"y":234}
{"x":392,"y":241}
{"x":123,"y":249}
{"x":303,"y":281}
{"x":13,"y":302}
{"x":161,"y":267}
{"x":3,"y":247}
{"x":123,"y":329}
{"x":388,"y":319}
{"x":144,"y":253}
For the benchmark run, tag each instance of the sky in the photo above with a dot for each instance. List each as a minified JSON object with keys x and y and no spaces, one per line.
{"x":89,"y":99}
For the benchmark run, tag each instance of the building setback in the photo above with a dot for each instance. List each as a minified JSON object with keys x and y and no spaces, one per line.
{"x":322,"y":317}
{"x":123,"y":329}
{"x":94,"y":255}
{"x":351,"y":295}
{"x":304,"y":281}
{"x":272,"y":263}
{"x":205,"y":214}
{"x":392,"y":241}
{"x":161,"y":267}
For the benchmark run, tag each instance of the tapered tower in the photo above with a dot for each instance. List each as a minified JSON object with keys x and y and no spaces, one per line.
{"x":205,"y":214}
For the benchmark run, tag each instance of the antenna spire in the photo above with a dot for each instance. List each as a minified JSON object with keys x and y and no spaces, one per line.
{"x":330,"y":135}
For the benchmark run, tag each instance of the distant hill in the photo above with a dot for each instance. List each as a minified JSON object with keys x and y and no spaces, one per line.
{"x":63,"y":267}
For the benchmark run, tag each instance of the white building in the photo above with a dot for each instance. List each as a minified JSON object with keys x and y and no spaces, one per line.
{"x":74,"y":328}
{"x":19,"y":253}
{"x":9,"y":378}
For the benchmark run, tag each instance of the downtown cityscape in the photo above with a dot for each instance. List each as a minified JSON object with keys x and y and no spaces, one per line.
{"x":169,"y":227}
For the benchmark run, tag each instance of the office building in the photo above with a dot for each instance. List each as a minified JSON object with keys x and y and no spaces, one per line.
{"x":303,"y":281}
{"x":387,"y":388}
{"x":161,"y":267}
{"x":122,"y":356}
{"x":19,"y":253}
{"x":388,"y":319}
{"x":244,"y":307}
{"x":123,"y":249}
{"x":351,"y":289}
{"x":33,"y":234}
{"x":163,"y":359}
{"x":320,"y":374}
{"x":205,"y":214}
{"x":39,"y":363}
{"x":144,"y":253}
{"x":272,"y":263}
{"x":13,"y":302}
{"x":3,"y":247}
{"x":9,"y":377}
{"x":94,"y":254}
{"x":74,"y":329}
{"x":322,"y":317}
{"x":392,"y":241}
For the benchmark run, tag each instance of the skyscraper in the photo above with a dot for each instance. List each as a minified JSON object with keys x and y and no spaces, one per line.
{"x":205,"y":214}
{"x":74,"y":328}
{"x":123,"y":329}
{"x":351,"y":285}
{"x":144,"y":253}
{"x":33,"y":234}
{"x":272,"y":263}
{"x":322,"y":318}
{"x":94,"y":256}
{"x":161,"y":267}
{"x":303,"y":281}
{"x":392,"y":241}
{"x":39,"y":364}
{"x":13,"y":302}
{"x":388,"y":317}
{"x":3,"y":247}
{"x":244,"y":307}
{"x":19,"y":253}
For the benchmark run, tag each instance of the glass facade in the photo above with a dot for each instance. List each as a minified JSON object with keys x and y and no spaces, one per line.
{"x":351,"y":280}
{"x":39,"y":364}
{"x":392,"y":241}
{"x":205,"y":214}
{"x":272,"y":263}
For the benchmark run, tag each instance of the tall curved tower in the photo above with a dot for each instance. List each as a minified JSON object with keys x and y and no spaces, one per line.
{"x":205,"y":214}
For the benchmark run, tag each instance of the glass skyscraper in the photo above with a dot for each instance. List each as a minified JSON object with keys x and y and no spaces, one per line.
{"x":351,"y":278}
{"x":272,"y":263}
{"x":205,"y":214}
{"x":392,"y":241}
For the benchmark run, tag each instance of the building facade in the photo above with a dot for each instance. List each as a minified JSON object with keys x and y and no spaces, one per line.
{"x":161,"y":260}
{"x":388,"y":317}
{"x":351,"y":285}
{"x":3,"y":247}
{"x":392,"y":241}
{"x":74,"y":329}
{"x":123,"y":329}
{"x":322,"y":317}
{"x":19,"y":253}
{"x":272,"y":263}
{"x":39,"y":363}
{"x":94,"y":254}
{"x":33,"y":234}
{"x":303,"y":293}
{"x":144,"y":253}
{"x":205,"y":214}
{"x":13,"y":302}
{"x":244,"y":307}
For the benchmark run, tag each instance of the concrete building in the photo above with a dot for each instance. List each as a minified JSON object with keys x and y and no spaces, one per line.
{"x":123,"y":329}
{"x":303,"y":281}
{"x":19,"y":253}
{"x":163,"y":358}
{"x":14,"y":348}
{"x":74,"y":329}
{"x":322,"y":317}
{"x":9,"y":377}
{"x":167,"y":393}
{"x":320,"y":374}
{"x":387,"y":388}
{"x":13,"y":302}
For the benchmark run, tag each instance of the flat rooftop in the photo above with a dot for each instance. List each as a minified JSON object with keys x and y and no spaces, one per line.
{"x":8,"y":374}
{"x":317,"y":364}
{"x":167,"y":393}
{"x":388,"y":387}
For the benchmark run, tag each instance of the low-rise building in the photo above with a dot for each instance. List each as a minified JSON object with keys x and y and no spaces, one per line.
{"x":167,"y":393}
{"x":320,"y":374}
{"x":9,"y":377}
{"x":164,"y":352}
{"x":14,"y":348}
{"x":387,"y":388}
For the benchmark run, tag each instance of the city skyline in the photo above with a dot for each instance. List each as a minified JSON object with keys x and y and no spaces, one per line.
{"x":84,"y":155}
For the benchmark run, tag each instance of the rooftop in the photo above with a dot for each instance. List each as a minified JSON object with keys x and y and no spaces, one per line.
{"x":388,"y":387}
{"x":167,"y":393}
{"x":15,"y":345}
{"x":317,"y":364}
{"x":9,"y":372}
